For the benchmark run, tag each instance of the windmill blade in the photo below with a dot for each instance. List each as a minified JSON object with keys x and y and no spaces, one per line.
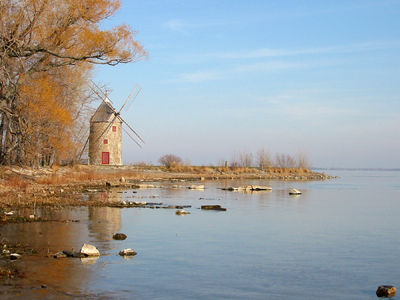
{"x":99,"y":92}
{"x":133,"y":94}
{"x":132,"y":137}
{"x":83,"y":149}
{"x":119,"y":117}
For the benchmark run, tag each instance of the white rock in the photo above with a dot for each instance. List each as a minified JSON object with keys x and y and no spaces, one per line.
{"x":181,"y":212}
{"x":127,"y":252}
{"x":294,"y":192}
{"x":14,"y":256}
{"x":197,"y":187}
{"x":89,"y":250}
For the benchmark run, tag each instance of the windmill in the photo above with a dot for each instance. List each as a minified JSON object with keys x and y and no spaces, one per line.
{"x":105,"y":137}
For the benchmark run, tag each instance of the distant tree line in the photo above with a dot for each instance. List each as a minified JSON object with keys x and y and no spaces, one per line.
{"x":245,"y":159}
{"x":48,"y":50}
{"x":263,"y":159}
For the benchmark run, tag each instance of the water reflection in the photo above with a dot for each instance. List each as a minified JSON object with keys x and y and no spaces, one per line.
{"x":265,"y":240}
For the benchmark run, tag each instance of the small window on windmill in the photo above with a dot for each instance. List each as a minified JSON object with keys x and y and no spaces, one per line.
{"x":105,"y":141}
{"x":114,"y":128}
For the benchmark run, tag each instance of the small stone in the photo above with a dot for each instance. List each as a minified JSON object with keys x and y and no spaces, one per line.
{"x":119,"y":236}
{"x":294,"y":192}
{"x":127,"y":252}
{"x":14,"y":256}
{"x":386,"y":291}
{"x":213,"y":207}
{"x":182,"y":212}
{"x":73,"y":254}
{"x":197,"y":187}
{"x":89,"y":250}
{"x":60,"y":255}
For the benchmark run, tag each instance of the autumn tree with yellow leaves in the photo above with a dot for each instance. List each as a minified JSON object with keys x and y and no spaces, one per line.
{"x":48,"y":49}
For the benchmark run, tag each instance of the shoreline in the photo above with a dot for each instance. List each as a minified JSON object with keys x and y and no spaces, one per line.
{"x":64,"y":186}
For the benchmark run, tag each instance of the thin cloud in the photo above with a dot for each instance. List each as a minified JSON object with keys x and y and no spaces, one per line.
{"x":202,"y":76}
{"x":199,"y":76}
{"x":183,"y":26}
{"x":267,"y":52}
{"x":251,"y":68}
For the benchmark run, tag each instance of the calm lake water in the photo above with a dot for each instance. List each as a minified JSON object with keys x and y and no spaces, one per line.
{"x":338,"y":240}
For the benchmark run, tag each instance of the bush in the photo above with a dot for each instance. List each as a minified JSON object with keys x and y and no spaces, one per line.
{"x":170,"y":160}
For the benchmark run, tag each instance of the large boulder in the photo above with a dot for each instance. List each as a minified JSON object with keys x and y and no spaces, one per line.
{"x":89,"y":250}
{"x":386,"y":291}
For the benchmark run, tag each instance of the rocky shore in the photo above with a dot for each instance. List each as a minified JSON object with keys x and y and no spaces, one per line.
{"x":63,"y":186}
{"x":23,"y":187}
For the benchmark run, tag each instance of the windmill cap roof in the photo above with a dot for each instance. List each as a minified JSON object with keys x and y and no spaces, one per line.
{"x":104,"y":112}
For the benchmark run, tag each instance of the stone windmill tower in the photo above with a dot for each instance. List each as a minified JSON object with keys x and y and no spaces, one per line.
{"x":105,"y":137}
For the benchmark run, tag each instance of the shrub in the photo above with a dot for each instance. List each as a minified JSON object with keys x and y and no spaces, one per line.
{"x":170,"y":160}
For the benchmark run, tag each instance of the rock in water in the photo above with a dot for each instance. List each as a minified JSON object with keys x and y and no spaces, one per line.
{"x":181,"y":212}
{"x":60,"y":255}
{"x":73,"y":254}
{"x":89,"y":250}
{"x":197,"y":187}
{"x":294,"y":192}
{"x":386,"y":291}
{"x":127,"y":252}
{"x":119,"y":236}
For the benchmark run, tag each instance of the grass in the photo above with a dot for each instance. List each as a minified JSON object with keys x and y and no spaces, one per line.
{"x":85,"y":174}
{"x":238,"y":170}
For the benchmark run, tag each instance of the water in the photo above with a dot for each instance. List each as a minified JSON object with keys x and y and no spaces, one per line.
{"x":338,"y":240}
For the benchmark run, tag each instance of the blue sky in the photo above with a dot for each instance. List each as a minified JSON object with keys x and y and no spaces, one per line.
{"x":226,"y":77}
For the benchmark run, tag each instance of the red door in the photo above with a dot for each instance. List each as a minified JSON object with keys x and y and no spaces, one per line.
{"x":105,"y":158}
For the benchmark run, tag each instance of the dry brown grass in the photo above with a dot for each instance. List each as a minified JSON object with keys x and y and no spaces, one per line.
{"x":84,"y":176}
{"x":89,"y":175}
{"x":289,"y":170}
{"x":17,"y":182}
{"x":181,"y":168}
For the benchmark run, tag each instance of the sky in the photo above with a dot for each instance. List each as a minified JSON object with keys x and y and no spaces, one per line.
{"x":228,"y":77}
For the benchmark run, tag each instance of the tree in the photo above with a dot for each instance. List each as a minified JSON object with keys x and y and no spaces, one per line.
{"x":303,"y":161}
{"x":38,"y":37}
{"x":263,"y":158}
{"x":56,"y":105}
{"x":246,"y":159}
{"x":170,"y":160}
{"x":285,"y":161}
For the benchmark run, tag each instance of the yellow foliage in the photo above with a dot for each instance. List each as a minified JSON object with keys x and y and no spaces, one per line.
{"x":47,"y":49}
